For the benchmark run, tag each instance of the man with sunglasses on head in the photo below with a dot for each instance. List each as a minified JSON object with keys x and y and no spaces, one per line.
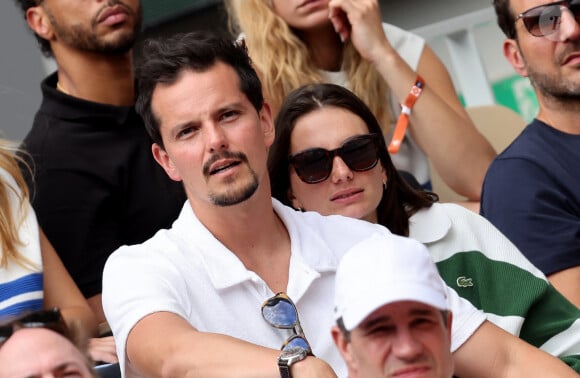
{"x":196,"y":300}
{"x":532,"y":190}
{"x":392,"y":314}
{"x":39,"y":344}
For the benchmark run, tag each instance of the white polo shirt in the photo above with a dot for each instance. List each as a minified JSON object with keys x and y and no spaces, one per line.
{"x":187,"y":271}
{"x":480,"y":263}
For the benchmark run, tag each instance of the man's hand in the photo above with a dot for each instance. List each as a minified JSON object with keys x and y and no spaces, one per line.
{"x":103,"y":349}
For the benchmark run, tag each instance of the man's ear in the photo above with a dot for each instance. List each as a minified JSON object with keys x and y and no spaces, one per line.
{"x":345,"y":349}
{"x":39,"y":22}
{"x":511,"y":51}
{"x":165,"y":161}
{"x":267,"y":121}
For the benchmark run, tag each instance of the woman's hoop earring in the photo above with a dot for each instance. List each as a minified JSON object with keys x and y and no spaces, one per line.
{"x":385,"y":185}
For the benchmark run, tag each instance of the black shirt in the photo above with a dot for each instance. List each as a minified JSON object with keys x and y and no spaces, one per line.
{"x":96,"y":184}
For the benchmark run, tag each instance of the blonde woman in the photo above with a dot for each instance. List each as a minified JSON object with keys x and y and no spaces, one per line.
{"x":32,"y":277}
{"x":296,"y":42}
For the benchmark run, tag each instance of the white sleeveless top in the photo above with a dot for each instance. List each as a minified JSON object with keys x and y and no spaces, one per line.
{"x":21,"y":287}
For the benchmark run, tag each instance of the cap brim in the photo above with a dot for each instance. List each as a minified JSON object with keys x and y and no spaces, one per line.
{"x":364,"y":305}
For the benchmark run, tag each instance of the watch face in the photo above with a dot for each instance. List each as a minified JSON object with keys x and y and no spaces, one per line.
{"x":292,"y":351}
{"x":292,"y":355}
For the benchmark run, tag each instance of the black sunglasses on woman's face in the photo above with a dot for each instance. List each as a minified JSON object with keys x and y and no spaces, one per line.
{"x":359,"y":153}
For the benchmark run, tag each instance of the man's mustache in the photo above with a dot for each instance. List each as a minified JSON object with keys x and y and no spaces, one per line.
{"x":223,"y":155}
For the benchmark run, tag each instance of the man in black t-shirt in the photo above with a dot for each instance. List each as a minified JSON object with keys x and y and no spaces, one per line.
{"x":96,"y":185}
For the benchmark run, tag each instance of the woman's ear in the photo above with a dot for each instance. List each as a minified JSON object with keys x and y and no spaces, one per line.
{"x":384,"y":176}
{"x":295,"y":203}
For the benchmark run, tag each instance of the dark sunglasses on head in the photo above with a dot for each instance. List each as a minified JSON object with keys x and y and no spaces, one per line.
{"x":280,"y":312}
{"x":543,"y":20}
{"x":50,"y":319}
{"x":359,"y":153}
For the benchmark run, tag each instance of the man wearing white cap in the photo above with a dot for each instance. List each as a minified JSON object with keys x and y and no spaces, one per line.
{"x":392,"y":312}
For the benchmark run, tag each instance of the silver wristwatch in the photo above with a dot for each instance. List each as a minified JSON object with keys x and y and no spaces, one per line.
{"x":288,"y":357}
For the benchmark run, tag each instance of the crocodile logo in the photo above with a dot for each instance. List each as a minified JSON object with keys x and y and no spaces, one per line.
{"x":464,"y":281}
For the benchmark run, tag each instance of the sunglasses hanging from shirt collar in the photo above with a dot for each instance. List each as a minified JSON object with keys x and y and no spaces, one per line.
{"x":280,"y":312}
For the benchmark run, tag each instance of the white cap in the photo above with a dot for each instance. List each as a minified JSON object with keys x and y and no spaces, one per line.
{"x":382,"y":270}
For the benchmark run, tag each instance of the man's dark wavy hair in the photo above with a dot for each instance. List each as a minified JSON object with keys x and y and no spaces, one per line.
{"x":43,"y":43}
{"x":505,"y":18}
{"x":164,"y":59}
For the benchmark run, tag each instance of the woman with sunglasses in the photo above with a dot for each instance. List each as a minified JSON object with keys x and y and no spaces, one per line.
{"x":328,"y":158}
{"x":32,"y":276}
{"x":297,"y":42}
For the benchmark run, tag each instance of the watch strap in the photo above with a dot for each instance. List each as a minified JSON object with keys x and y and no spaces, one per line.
{"x":288,"y":358}
{"x":284,"y":371}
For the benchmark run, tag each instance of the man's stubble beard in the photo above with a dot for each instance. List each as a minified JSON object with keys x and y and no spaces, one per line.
{"x":234,"y":197}
{"x":85,"y":38}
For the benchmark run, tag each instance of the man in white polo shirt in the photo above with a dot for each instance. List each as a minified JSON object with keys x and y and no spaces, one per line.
{"x":188,"y":301}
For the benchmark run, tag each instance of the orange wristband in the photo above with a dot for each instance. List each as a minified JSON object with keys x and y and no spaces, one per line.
{"x":403,"y":121}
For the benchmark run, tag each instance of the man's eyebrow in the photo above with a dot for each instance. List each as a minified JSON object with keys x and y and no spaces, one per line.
{"x":386,"y":318}
{"x":422,"y":311}
{"x":235,"y":105}
{"x":183,"y":125}
{"x":229,"y":106}
{"x":380,"y":319}
{"x":57,"y":369}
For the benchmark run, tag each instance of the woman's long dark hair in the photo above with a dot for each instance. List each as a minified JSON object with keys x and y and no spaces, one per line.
{"x":399,"y":200}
